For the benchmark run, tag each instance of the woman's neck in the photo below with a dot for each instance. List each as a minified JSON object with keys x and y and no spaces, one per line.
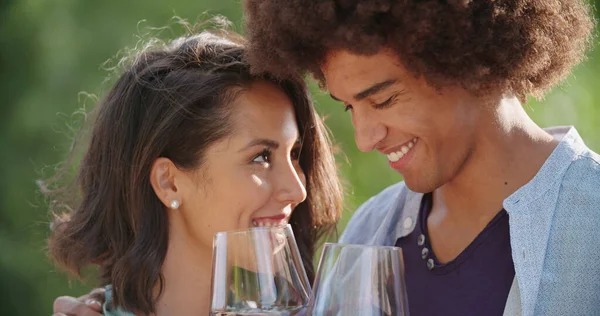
{"x":187,"y":275}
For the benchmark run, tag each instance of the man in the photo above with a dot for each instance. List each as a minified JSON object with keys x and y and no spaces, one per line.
{"x":495,"y":215}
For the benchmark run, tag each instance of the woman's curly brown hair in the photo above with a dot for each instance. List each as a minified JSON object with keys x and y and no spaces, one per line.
{"x":524,"y":47}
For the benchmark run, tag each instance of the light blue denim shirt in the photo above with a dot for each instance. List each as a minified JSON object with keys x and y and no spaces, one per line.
{"x":554,"y":230}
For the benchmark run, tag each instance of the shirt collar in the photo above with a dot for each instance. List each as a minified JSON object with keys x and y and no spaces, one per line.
{"x":570,"y":146}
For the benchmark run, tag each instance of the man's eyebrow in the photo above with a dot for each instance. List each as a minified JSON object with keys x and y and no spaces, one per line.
{"x":370,"y":90}
{"x":374,"y":89}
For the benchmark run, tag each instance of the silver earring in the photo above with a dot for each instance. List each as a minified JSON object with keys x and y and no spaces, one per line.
{"x":175,"y":204}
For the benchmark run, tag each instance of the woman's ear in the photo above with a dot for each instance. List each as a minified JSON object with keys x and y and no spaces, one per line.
{"x":163,"y":178}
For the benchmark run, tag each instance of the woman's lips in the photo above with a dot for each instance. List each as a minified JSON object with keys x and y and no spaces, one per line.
{"x":270,"y":221}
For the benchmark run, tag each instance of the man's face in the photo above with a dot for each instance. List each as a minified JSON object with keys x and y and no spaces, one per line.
{"x":427,"y":134}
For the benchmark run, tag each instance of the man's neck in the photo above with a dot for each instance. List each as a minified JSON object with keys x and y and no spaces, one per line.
{"x":508,"y":153}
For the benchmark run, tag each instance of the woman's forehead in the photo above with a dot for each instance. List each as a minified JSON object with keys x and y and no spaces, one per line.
{"x":265,"y":111}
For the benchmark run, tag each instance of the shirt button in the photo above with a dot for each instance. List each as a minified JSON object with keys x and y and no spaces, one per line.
{"x":424,"y":253}
{"x":408,"y":223}
{"x":421,"y":240}
{"x":430,"y":264}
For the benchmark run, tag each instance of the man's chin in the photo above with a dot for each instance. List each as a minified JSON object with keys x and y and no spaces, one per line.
{"x":418,"y":185}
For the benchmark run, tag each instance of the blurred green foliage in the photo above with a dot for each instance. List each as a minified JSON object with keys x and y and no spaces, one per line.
{"x":50,"y":51}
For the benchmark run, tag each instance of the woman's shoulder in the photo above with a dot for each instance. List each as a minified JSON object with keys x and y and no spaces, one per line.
{"x":108,"y":308}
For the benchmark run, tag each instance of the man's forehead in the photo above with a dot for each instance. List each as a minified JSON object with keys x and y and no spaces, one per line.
{"x":345,"y":62}
{"x":348,"y":75}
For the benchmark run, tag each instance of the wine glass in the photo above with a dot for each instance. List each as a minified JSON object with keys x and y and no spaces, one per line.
{"x":258,"y":271}
{"x":359,"y":280}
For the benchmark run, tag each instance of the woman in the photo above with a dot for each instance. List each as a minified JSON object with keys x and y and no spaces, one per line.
{"x":188,"y":143}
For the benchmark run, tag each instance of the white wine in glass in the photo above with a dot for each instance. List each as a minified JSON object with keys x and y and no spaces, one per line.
{"x":359,"y":280}
{"x":258,"y":271}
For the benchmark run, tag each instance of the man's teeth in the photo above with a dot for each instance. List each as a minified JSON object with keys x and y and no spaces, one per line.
{"x":267,"y":223}
{"x":397,"y":155}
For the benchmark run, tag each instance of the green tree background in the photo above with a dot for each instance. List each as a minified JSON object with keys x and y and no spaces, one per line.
{"x":50,"y":51}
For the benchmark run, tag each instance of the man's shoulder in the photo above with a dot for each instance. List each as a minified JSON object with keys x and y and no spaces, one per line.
{"x":569,"y":180}
{"x":375,"y":221}
{"x":574,"y":198}
{"x":583,"y":171}
{"x":581,"y":181}
{"x":386,"y":197}
{"x":575,"y":228}
{"x":588,"y":161}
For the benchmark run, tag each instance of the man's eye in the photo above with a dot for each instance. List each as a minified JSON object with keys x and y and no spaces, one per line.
{"x":386,"y":103}
{"x":347,"y":107}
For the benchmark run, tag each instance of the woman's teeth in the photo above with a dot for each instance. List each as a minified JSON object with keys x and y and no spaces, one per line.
{"x":397,"y":155}
{"x":267,"y":223}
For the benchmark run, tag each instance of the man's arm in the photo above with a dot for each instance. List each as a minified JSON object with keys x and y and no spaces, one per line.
{"x":86,"y":305}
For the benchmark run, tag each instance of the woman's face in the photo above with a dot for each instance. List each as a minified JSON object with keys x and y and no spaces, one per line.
{"x":250,"y":178}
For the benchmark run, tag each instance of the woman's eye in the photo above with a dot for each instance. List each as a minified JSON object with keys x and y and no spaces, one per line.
{"x":264,"y":157}
{"x":347,"y":107}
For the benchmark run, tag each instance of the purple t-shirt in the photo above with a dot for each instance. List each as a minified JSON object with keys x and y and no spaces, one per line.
{"x":476,"y":282}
